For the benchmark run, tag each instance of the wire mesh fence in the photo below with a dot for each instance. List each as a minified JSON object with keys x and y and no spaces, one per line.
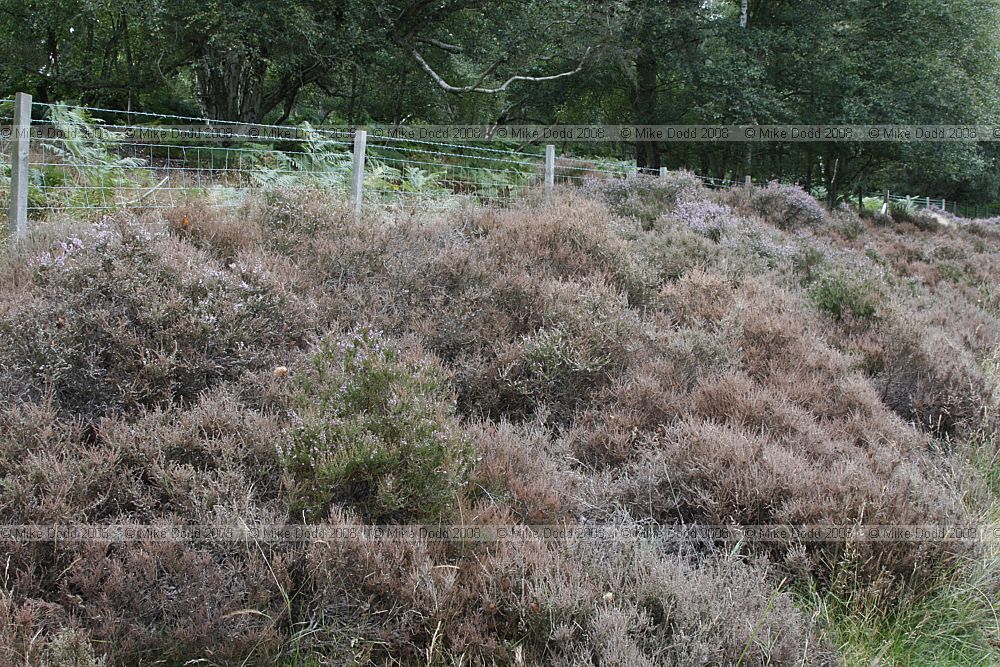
{"x":96,"y":159}
{"x":6,"y":119}
{"x":917,"y":202}
{"x":81,"y":161}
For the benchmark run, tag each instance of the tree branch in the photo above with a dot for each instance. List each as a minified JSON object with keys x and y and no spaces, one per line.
{"x":450,"y":48}
{"x":475,"y":88}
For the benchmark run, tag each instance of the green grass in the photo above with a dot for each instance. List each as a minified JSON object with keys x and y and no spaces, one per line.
{"x":954,"y":623}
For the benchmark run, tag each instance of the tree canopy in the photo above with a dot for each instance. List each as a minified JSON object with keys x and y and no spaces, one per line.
{"x":550,"y":61}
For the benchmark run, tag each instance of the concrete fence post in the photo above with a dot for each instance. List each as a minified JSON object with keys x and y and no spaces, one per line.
{"x":20,"y":144}
{"x":747,"y":183}
{"x":358,"y":171}
{"x":550,"y":167}
{"x":663,"y":172}
{"x":928,"y":204}
{"x":885,"y":204}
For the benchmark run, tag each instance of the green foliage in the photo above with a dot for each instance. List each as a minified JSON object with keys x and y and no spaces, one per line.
{"x":376,"y":434}
{"x":557,"y":366}
{"x":872,"y":204}
{"x":839,"y":295}
{"x":321,"y":162}
{"x":306,"y":64}
{"x":87,"y":161}
{"x":951,"y":623}
{"x":807,"y":263}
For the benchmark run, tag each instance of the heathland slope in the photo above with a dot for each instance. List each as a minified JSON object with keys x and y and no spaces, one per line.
{"x":643,"y":354}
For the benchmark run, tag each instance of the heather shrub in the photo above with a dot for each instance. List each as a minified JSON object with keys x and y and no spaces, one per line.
{"x":654,"y":391}
{"x":376,"y":434}
{"x":646,"y":198}
{"x":852,"y":230}
{"x":927,"y":380}
{"x":726,"y":469}
{"x":555,"y":368}
{"x":710,"y":219}
{"x":677,"y":250}
{"x":137,"y":600}
{"x":66,"y":647}
{"x":630,"y":603}
{"x":215,"y":230}
{"x":841,"y":296}
{"x":292,"y":212}
{"x":881,"y":219}
{"x":756,"y":252}
{"x":808,"y":263}
{"x":570,"y":237}
{"x":587,"y":336}
{"x":697,"y":298}
{"x":850,"y":225}
{"x":704,"y":369}
{"x":922,"y":219}
{"x":522,"y":472}
{"x":571,"y":602}
{"x":984,"y":229}
{"x":779,"y":429}
{"x":787,"y":206}
{"x":122,"y":319}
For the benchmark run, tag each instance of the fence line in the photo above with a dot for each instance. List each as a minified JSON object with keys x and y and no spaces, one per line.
{"x":93,"y":167}
{"x":89,"y":165}
{"x":210,"y":122}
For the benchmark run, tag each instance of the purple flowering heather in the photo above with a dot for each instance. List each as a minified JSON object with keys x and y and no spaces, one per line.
{"x":711,"y":219}
{"x":788,"y":206}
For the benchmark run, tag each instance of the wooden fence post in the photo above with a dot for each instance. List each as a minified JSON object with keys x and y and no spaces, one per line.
{"x":20,"y":143}
{"x":358,"y":171}
{"x":550,"y":167}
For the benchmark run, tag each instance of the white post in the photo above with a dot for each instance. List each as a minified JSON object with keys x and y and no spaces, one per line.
{"x":663,"y":172}
{"x":928,"y":204}
{"x":747,"y":183}
{"x":358,"y":171}
{"x":550,"y":167}
{"x":20,"y":142}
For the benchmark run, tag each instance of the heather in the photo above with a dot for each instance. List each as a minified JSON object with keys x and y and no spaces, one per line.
{"x":645,"y":353}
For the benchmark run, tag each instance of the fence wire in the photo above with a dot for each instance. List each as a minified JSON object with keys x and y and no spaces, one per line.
{"x":93,"y":165}
{"x":6,"y":118}
{"x":98,"y":159}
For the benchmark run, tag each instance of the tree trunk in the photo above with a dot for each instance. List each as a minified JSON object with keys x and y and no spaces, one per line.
{"x":830,"y":166}
{"x":230,"y":84}
{"x":647,"y":153}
